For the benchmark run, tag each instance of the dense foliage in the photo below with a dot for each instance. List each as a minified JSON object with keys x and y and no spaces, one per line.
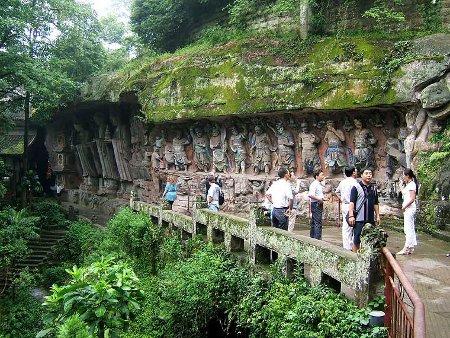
{"x":17,"y":228}
{"x":168,"y":24}
{"x":105,"y":294}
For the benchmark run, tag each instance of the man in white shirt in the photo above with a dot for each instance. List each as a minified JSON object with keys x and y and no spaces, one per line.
{"x":280,"y":195}
{"x":316,"y":198}
{"x":213,"y":194}
{"x":343,"y":193}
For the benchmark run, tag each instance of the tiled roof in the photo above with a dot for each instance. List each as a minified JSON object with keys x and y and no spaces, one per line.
{"x":12,"y":142}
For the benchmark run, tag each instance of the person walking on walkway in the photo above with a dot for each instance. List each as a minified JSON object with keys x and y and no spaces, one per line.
{"x":170,"y":190}
{"x":295,"y":188}
{"x":363,"y":207}
{"x":280,"y":195}
{"x":343,"y":193}
{"x":409,"y":190}
{"x":316,"y":198}
{"x":213,"y":194}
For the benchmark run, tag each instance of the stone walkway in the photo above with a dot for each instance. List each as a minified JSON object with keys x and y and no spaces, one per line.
{"x":428,"y":269}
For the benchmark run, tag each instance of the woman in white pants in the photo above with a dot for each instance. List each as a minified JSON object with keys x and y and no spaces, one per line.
{"x":409,"y":192}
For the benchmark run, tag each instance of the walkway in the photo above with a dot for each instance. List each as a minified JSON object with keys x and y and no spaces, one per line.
{"x":428,"y":269}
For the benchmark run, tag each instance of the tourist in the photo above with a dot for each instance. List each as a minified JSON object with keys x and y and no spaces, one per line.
{"x":170,"y":191}
{"x":280,"y":195}
{"x":316,"y":199}
{"x":363,"y":207}
{"x":295,"y":187}
{"x":343,"y":193}
{"x":409,"y":190}
{"x":218,"y":181}
{"x":213,"y":194}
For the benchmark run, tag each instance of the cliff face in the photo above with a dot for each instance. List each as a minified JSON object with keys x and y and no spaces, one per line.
{"x":259,"y":76}
{"x":397,"y":85}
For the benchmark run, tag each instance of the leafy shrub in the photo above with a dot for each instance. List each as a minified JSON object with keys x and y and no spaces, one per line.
{"x":189,"y":294}
{"x":54,"y":275}
{"x":49,"y":211}
{"x":21,"y":312}
{"x":134,"y":236}
{"x":16,"y":230}
{"x":104,"y":294}
{"x":81,"y":240}
{"x":74,"y":327}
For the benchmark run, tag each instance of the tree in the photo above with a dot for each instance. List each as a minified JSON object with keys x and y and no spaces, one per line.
{"x":104,"y":294}
{"x":16,"y":230}
{"x":47,"y":48}
{"x":167,"y":25}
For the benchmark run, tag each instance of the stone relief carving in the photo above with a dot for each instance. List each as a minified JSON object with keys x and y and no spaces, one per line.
{"x":201,"y":147}
{"x":121,"y":142}
{"x":261,"y":149}
{"x":335,"y":155}
{"x":238,"y":148}
{"x":160,"y":144}
{"x":285,"y":146}
{"x":218,"y":145}
{"x":364,"y":141}
{"x":180,"y":160}
{"x":395,"y":151}
{"x":308,"y":142}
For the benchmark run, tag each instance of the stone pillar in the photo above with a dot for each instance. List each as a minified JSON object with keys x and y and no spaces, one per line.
{"x":305,"y":18}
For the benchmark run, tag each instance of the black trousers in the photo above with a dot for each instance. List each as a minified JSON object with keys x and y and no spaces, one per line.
{"x":279,"y":218}
{"x":316,"y":221}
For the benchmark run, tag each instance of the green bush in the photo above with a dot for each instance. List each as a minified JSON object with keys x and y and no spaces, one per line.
{"x":49,"y":211}
{"x":54,"y":275}
{"x":133,"y":236}
{"x":74,"y":327}
{"x":82,"y":239}
{"x":21,"y":312}
{"x":104,"y":294}
{"x":187,"y":295}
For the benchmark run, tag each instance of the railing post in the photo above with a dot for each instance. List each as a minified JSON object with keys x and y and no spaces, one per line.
{"x":388,"y":290}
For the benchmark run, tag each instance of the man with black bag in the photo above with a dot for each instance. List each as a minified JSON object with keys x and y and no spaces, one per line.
{"x":363,"y":207}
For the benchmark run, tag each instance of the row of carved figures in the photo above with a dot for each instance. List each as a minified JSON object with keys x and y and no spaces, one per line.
{"x":253,"y":147}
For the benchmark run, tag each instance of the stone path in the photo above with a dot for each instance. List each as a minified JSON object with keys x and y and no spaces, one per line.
{"x":428,"y":269}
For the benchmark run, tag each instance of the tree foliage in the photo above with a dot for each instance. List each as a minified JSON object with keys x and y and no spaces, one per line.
{"x":47,"y":47}
{"x":167,"y":25}
{"x":104,"y":294}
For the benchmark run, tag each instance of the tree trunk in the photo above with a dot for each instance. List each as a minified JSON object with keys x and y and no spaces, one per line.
{"x":24,"y":196}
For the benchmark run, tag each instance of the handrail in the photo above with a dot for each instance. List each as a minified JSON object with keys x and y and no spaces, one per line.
{"x":392,"y":320}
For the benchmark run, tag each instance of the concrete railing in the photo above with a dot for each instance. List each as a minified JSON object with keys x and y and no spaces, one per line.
{"x":319,"y":261}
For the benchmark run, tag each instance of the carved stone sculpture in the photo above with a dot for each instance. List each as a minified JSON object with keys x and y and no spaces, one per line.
{"x":121,"y":142}
{"x":335,"y":155}
{"x":308,"y":142}
{"x":169,"y":157}
{"x":395,"y":152}
{"x":261,"y":148}
{"x":286,"y":144}
{"x":160,"y":144}
{"x":155,"y":159}
{"x":218,"y":146}
{"x":237,"y":146}
{"x":179,"y":154}
{"x":201,"y":148}
{"x":364,"y":141}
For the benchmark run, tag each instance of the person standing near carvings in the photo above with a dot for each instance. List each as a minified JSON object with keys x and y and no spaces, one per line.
{"x":295,"y":188}
{"x":170,"y":190}
{"x":316,"y":198}
{"x":217,"y":180}
{"x":363,"y":200}
{"x":213,"y":194}
{"x":409,"y":190}
{"x":343,"y":193}
{"x":282,"y":199}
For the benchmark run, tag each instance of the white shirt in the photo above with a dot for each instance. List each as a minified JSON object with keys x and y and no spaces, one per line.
{"x":214,"y":193}
{"x":406,"y":192}
{"x":345,"y":187}
{"x":315,"y":189}
{"x":281,"y":193}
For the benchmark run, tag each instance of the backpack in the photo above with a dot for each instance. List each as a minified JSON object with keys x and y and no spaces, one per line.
{"x":221,"y":197}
